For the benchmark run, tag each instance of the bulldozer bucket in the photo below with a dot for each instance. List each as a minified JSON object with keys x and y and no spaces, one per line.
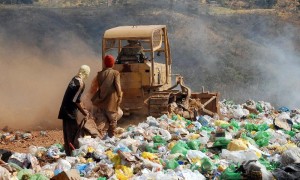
{"x":209,"y":102}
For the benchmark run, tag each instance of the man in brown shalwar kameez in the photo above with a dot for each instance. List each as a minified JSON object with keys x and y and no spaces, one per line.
{"x":107,"y":97}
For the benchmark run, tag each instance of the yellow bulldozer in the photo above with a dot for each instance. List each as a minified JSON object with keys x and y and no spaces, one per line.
{"x":146,"y":77}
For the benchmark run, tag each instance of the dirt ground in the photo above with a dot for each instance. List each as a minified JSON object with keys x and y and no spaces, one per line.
{"x":39,"y":138}
{"x":20,"y":141}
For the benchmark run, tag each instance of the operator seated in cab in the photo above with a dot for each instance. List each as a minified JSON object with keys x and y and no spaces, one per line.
{"x":133,"y":52}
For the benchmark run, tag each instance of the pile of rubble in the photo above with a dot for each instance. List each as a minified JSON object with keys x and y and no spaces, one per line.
{"x":252,"y":140}
{"x":6,"y":137}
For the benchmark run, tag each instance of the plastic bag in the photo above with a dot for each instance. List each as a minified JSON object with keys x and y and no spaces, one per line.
{"x":101,"y":178}
{"x":261,"y":135}
{"x":81,"y":168}
{"x":19,"y":159}
{"x":269,"y":165}
{"x":159,"y":140}
{"x":115,"y":158}
{"x":188,"y":174}
{"x":262,"y":142}
{"x":203,"y":121}
{"x":230,"y":173}
{"x":25,"y":173}
{"x":55,"y":151}
{"x":296,"y":126}
{"x":204,"y":138}
{"x":193,"y":136}
{"x":262,"y":127}
{"x":206,"y":164}
{"x":220,"y":123}
{"x":165,"y":134}
{"x":122,"y":148}
{"x":149,"y":156}
{"x":180,"y":147}
{"x":235,"y":124}
{"x":194,"y":144}
{"x":62,"y":165}
{"x":195,"y":156}
{"x":239,"y":156}
{"x":259,"y":107}
{"x":123,"y":172}
{"x":38,"y":177}
{"x":221,"y":142}
{"x":291,"y":133}
{"x":152,"y":121}
{"x":225,"y":126}
{"x":172,"y":164}
{"x":251,"y":127}
{"x":151,"y":149}
{"x":283,"y":109}
{"x":252,"y":116}
{"x":208,"y":129}
{"x":239,"y":112}
{"x":4,"y":174}
{"x":237,"y":144}
{"x":152,"y":165}
{"x":262,"y":138}
{"x":250,"y":140}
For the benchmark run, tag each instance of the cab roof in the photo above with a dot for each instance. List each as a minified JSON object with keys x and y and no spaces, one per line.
{"x":132,"y":32}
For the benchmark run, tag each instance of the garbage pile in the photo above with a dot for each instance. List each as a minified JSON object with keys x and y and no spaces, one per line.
{"x":6,"y":137}
{"x":248,"y":141}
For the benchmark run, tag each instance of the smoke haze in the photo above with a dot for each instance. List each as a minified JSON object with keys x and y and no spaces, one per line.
{"x":33,"y":84}
{"x":242,"y":56}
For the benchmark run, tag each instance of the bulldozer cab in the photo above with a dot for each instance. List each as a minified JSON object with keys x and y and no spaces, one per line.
{"x":144,"y":62}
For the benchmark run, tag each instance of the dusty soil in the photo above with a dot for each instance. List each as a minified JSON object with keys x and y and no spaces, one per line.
{"x":39,"y":138}
{"x":16,"y":141}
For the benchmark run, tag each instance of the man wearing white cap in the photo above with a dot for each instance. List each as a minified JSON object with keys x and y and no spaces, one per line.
{"x":71,"y":103}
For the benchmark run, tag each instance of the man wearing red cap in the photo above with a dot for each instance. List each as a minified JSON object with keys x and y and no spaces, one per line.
{"x":107,"y":97}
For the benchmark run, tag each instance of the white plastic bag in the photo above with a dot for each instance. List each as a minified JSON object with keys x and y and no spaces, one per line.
{"x":193,"y":156}
{"x":204,"y":137}
{"x":187,"y":174}
{"x":4,"y":174}
{"x":238,"y":156}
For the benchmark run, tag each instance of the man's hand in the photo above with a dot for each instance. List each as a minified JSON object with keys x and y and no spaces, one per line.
{"x":83,"y":111}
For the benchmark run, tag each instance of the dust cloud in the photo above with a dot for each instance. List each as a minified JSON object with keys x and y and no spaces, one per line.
{"x":33,"y":80}
{"x":238,"y":56}
{"x":280,"y":66}
{"x":260,"y":62}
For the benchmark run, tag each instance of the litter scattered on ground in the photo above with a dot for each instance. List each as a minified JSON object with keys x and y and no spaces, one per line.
{"x":251,"y":140}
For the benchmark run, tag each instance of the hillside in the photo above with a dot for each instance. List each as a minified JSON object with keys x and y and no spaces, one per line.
{"x":242,"y":52}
